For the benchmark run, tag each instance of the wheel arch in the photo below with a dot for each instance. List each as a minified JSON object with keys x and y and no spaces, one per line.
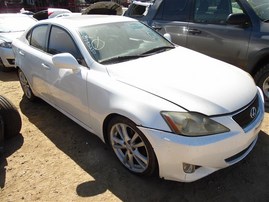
{"x":257,"y":61}
{"x":106,"y":123}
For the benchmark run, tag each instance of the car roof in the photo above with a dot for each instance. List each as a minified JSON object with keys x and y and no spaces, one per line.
{"x":75,"y":21}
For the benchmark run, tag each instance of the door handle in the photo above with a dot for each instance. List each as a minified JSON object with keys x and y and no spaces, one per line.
{"x":156,"y":27}
{"x":45,"y":66}
{"x":21,"y":53}
{"x":194,"y":31}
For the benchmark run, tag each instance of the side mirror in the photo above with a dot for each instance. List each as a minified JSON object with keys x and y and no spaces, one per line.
{"x":240,"y":19}
{"x":168,"y":37}
{"x":65,"y":61}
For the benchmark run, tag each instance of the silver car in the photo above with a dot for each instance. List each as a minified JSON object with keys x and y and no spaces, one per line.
{"x":11,"y":27}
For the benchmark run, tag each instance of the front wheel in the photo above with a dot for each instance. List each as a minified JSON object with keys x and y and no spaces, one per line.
{"x":262,"y":80}
{"x":131,"y":146}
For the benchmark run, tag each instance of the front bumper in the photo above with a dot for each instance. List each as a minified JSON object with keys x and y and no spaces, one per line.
{"x":7,"y":58}
{"x":207,"y":153}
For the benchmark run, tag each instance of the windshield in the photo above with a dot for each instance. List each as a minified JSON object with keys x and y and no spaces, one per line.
{"x":261,"y":7}
{"x":129,"y":40}
{"x":15,"y":23}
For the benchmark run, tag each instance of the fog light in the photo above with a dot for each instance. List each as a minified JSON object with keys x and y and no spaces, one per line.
{"x":188,"y":168}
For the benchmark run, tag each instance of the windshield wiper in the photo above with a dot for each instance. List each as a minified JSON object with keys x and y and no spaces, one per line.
{"x":120,"y":59}
{"x":131,"y":57}
{"x":158,"y":50}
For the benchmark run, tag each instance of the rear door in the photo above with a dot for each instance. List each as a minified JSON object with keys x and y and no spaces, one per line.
{"x":208,"y":32}
{"x":30,"y":62}
{"x":172,"y":17}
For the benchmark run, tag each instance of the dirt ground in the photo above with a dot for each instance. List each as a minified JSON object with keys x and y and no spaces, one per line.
{"x":54,"y":159}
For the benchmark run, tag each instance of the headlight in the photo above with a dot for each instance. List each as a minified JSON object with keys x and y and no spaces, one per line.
{"x":192,"y":124}
{"x":5,"y":44}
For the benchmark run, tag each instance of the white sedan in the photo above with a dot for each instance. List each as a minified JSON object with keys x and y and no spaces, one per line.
{"x":12,"y":25}
{"x":160,"y":107}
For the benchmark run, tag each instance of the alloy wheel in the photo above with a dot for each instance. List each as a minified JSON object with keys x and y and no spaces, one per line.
{"x":129,"y":147}
{"x":25,"y":85}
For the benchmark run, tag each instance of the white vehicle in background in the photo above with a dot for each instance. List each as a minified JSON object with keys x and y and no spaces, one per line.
{"x":50,"y":13}
{"x":67,"y":15}
{"x":11,"y":26}
{"x":160,"y":107}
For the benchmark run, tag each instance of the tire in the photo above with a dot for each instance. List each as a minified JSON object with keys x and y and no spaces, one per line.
{"x":25,"y":86}
{"x":131,"y":147}
{"x":262,"y":80}
{"x":11,"y":118}
{"x":2,"y":139}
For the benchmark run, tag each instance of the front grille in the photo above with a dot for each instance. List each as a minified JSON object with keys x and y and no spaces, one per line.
{"x":248,"y":114}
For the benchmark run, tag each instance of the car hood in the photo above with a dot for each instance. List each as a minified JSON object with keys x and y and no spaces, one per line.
{"x":10,"y":36}
{"x":189,"y":79}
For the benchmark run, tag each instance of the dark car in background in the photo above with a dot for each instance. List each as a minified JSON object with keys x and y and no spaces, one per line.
{"x":50,"y":13}
{"x":235,"y":31}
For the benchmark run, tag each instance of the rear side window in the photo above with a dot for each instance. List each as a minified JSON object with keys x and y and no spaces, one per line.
{"x":177,"y":10}
{"x":37,"y":38}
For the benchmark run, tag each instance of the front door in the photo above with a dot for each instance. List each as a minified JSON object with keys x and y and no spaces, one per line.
{"x":208,"y":32}
{"x":67,"y":87}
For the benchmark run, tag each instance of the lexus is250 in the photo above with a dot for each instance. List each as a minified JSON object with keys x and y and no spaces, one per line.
{"x":159,"y":106}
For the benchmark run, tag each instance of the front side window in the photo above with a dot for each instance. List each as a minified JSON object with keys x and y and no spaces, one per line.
{"x":61,"y":42}
{"x":174,"y":10}
{"x":215,"y":11}
{"x":37,"y":37}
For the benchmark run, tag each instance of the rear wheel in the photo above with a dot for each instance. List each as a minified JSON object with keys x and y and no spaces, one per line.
{"x":25,"y":86}
{"x":10,"y":117}
{"x":131,"y":146}
{"x":262,"y":80}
